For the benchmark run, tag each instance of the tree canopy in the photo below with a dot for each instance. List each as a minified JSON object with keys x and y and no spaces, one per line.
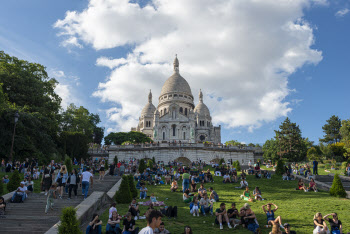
{"x":118,"y":138}
{"x":332,"y":130}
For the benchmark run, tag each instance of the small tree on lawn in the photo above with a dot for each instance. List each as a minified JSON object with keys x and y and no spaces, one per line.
{"x":14,"y":181}
{"x":68,"y":163}
{"x":154,"y":160}
{"x":132,"y":186}
{"x":116,"y":159}
{"x":123,"y":195}
{"x":221,"y":161}
{"x":337,"y":189}
{"x":280,"y":168}
{"x":238,"y":166}
{"x":69,"y":222}
{"x":142,"y":166}
{"x":150,"y":164}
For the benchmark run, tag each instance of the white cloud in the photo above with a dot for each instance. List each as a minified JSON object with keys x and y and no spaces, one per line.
{"x":240,"y":52}
{"x":65,"y":92}
{"x":342,"y":12}
{"x":58,"y":74}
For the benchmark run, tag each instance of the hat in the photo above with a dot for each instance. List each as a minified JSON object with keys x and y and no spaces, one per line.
{"x":246,"y":206}
{"x":22,"y":182}
{"x":286,"y":225}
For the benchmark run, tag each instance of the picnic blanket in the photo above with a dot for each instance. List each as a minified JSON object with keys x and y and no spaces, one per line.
{"x":147,"y":203}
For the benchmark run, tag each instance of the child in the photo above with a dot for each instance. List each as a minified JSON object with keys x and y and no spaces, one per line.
{"x":112,"y":209}
{"x":194,"y":207}
{"x":143,"y":192}
{"x":50,"y":196}
{"x":154,"y":200}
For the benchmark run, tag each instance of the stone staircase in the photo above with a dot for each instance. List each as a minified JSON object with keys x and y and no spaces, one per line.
{"x":327,"y":179}
{"x":29,"y":217}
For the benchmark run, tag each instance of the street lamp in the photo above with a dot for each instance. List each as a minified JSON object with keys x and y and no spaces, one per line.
{"x":16,"y":116}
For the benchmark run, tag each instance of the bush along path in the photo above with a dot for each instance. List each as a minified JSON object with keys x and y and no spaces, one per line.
{"x":29,"y":217}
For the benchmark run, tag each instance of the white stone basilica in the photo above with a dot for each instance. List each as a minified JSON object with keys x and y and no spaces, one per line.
{"x":176,"y":118}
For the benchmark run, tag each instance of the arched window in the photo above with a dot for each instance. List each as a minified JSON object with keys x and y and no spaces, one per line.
{"x":202,"y":137}
{"x":174,"y":130}
{"x":184,"y":135}
{"x":181,"y":109}
{"x":163,"y":135}
{"x":174,"y":114}
{"x":186,"y":111}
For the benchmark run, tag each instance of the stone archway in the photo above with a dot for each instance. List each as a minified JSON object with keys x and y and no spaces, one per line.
{"x":183,"y":160}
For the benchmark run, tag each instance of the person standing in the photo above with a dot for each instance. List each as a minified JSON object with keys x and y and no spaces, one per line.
{"x":61,"y":180}
{"x":185,"y":181}
{"x":51,"y":195}
{"x":86,"y":177}
{"x":73,"y":181}
{"x":315,"y":169}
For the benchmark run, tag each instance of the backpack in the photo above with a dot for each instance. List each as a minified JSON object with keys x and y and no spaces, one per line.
{"x":17,"y":199}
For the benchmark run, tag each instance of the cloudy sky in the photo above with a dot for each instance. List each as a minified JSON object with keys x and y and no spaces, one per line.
{"x":256,"y":61}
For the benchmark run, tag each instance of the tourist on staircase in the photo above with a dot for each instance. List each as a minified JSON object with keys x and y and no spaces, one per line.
{"x":86,"y":178}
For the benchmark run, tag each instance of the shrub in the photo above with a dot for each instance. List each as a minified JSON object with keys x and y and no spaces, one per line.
{"x":221,"y":161}
{"x":1,"y":188}
{"x":150,"y":164}
{"x":14,"y":181}
{"x":115,"y":159}
{"x":238,"y":165}
{"x":69,"y":223}
{"x":154,"y":160}
{"x":68,"y":163}
{"x":280,"y":168}
{"x":142,"y":166}
{"x":106,"y":164}
{"x":132,"y":186}
{"x":337,"y":188}
{"x":123,"y":195}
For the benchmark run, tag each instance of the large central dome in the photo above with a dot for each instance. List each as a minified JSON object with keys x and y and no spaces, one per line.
{"x":176,"y":83}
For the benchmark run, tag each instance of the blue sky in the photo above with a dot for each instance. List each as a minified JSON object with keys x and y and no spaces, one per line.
{"x":312,"y":85}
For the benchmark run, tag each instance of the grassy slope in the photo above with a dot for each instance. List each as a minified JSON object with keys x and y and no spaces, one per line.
{"x":36,"y":183}
{"x":295,"y":207}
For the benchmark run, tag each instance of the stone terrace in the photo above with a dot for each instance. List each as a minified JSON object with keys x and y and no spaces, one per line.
{"x":29,"y":217}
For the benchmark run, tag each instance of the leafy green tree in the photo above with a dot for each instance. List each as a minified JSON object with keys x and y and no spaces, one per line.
{"x":74,"y":144}
{"x":251,"y":145}
{"x":15,"y":179}
{"x":271,"y":150}
{"x":150,"y":164}
{"x":98,"y":133}
{"x":338,"y":150}
{"x":337,"y":189}
{"x":326,"y":150}
{"x":68,"y":163}
{"x":132,"y":186}
{"x":290,"y":142}
{"x":280,"y":168}
{"x":115,"y":159}
{"x":237,"y":166}
{"x":123,"y":195}
{"x":221,"y":161}
{"x":345,"y":135}
{"x":117,"y":138}
{"x":313,"y":154}
{"x":142,"y":166}
{"x":232,"y":143}
{"x":332,"y":130}
{"x":69,"y":222}
{"x":154,"y":160}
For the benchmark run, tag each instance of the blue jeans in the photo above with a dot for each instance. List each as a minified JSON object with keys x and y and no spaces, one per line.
{"x":206,"y":210}
{"x":252,"y":227}
{"x":186,"y":184}
{"x":85,"y":188}
{"x":143,"y":195}
{"x":89,"y":229}
{"x":115,"y":229}
{"x":133,"y":232}
{"x":24,"y":196}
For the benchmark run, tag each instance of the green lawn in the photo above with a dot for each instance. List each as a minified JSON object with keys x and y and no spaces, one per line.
{"x":295,"y":207}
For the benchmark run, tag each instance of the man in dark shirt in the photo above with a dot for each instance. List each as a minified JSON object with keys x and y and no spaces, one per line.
{"x":287,"y":229}
{"x":129,"y":224}
{"x":232,"y":215}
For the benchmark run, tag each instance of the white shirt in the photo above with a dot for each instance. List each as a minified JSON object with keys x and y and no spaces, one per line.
{"x":226,"y":176}
{"x":146,"y":230}
{"x":86,"y":176}
{"x":244,"y":183}
{"x":22,"y":189}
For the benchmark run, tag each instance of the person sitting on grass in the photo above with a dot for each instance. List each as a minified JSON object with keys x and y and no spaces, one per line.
{"x":222,"y":217}
{"x":312,"y":186}
{"x":320,"y":226}
{"x":201,"y":191}
{"x":154,"y":219}
{"x":113,"y":224}
{"x":257,"y":194}
{"x":167,"y":179}
{"x":234,"y":175}
{"x":214,"y":197}
{"x":95,"y":226}
{"x":270,"y":213}
{"x":186,"y":197}
{"x":143,"y":192}
{"x":112,"y":208}
{"x":2,"y":207}
{"x":206,"y":205}
{"x":201,"y":177}
{"x":248,"y":219}
{"x":194,"y":207}
{"x":233,"y":215}
{"x":21,"y":191}
{"x":227,"y":179}
{"x":193,"y":184}
{"x":244,"y":183}
{"x":5,"y":179}
{"x":267,"y":174}
{"x":161,"y":229}
{"x":287,"y":229}
{"x":137,"y":175}
{"x":243,"y":175}
{"x":157,"y":179}
{"x":134,"y":209}
{"x":174,"y":186}
{"x":335,"y":223}
{"x":246,"y":195}
{"x":150,"y":180}
{"x":275,"y":229}
{"x":301,"y":185}
{"x":154,"y":200}
{"x":187,"y":230}
{"x":129,"y":225}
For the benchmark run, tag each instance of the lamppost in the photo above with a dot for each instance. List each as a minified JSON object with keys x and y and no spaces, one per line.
{"x":13,"y":136}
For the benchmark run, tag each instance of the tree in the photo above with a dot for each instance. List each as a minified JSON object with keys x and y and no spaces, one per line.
{"x":221,"y":161}
{"x":251,"y":145}
{"x":68,"y":163}
{"x":325,"y":150}
{"x":313,"y":154}
{"x":280,"y":168}
{"x":153,"y":159}
{"x":337,"y":189}
{"x":116,"y":160}
{"x":150,"y":164}
{"x":15,"y":179}
{"x":74,"y":144}
{"x":98,"y":133}
{"x":69,"y":222}
{"x":270,"y":149}
{"x":290,"y":143}
{"x":338,"y":150}
{"x":237,"y":166}
{"x":123,"y":195}
{"x":117,"y":138}
{"x":132,"y":186}
{"x":332,"y":130}
{"x":345,"y":135}
{"x":232,"y":143}
{"x":142,"y":166}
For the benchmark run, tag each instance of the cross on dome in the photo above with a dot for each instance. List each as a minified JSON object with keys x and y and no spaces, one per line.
{"x":176,"y":64}
{"x":150,"y":97}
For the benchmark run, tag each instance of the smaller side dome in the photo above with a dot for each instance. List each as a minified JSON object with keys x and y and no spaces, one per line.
{"x":149,"y":108}
{"x":201,"y":109}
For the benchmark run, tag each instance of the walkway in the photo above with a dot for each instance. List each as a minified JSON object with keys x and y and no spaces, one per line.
{"x":327,"y":179}
{"x":29,"y":217}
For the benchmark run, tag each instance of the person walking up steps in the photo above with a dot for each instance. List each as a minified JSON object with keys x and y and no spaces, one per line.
{"x":86,"y":177}
{"x":50,"y":196}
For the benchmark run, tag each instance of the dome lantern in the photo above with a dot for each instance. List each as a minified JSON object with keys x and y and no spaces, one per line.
{"x":176,"y":64}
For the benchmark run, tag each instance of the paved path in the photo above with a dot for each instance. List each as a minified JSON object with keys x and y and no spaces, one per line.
{"x":29,"y":217}
{"x":327,"y":179}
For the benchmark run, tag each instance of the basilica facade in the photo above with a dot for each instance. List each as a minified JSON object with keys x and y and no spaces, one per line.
{"x":176,"y":118}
